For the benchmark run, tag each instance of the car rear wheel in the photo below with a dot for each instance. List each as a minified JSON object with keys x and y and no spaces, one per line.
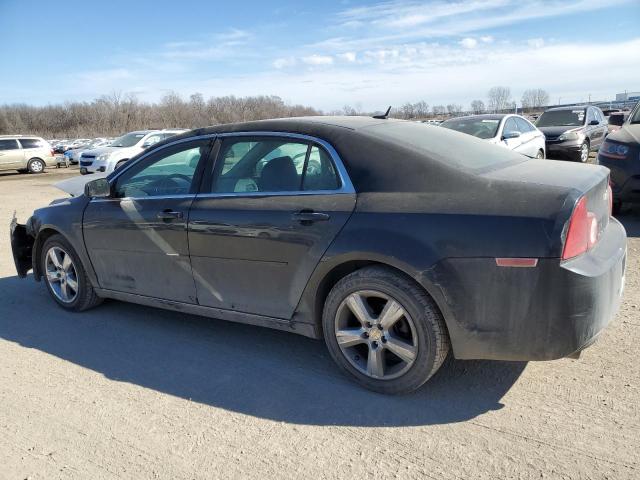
{"x":540,"y":155}
{"x":35,"y":165}
{"x":65,"y":277}
{"x":120,"y":164}
{"x":384,"y":331}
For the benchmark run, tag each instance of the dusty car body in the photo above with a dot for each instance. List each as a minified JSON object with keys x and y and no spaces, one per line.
{"x":405,"y":242}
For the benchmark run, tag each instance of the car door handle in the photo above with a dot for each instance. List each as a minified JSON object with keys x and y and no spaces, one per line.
{"x":169,"y":215}
{"x":308,"y":217}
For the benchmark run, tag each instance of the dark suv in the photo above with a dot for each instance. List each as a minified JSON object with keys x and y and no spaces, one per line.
{"x":572,"y":132}
{"x":621,"y":154}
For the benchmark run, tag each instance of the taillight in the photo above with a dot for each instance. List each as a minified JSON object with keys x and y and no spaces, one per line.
{"x":52,"y":153}
{"x":610,"y":196}
{"x":583,"y":231}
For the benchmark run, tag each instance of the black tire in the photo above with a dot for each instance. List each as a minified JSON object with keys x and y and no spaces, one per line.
{"x":120,"y":164}
{"x":540,"y":155}
{"x":36,"y":165}
{"x":86,"y":297}
{"x":432,"y":338}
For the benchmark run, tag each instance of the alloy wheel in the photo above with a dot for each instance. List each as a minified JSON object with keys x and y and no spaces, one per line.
{"x":376,"y":334}
{"x":61,"y":275}
{"x":36,"y":166}
{"x":584,"y":152}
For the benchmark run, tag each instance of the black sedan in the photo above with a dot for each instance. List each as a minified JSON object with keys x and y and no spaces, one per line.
{"x":394,"y":241}
{"x":573,"y":132}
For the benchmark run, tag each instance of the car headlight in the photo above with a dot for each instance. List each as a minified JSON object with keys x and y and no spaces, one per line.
{"x":103,"y":157}
{"x":570,"y":136}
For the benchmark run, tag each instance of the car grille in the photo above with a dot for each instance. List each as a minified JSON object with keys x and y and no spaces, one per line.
{"x":84,"y":163}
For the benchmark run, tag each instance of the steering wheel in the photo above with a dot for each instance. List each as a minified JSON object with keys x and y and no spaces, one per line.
{"x":168,"y":182}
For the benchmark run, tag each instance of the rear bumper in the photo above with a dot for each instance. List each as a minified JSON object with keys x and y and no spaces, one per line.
{"x":550,"y":311}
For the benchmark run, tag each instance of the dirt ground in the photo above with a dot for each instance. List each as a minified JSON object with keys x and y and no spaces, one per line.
{"x":124,"y":391}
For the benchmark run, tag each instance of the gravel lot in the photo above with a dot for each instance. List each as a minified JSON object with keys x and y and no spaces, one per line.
{"x":125,"y":391}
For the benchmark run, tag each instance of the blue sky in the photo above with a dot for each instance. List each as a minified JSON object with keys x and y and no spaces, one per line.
{"x":319,"y":53}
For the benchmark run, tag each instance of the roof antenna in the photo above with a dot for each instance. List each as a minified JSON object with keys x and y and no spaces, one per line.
{"x":385,"y":116}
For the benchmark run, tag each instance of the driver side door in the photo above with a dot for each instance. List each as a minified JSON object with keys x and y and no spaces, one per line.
{"x":137,"y":238}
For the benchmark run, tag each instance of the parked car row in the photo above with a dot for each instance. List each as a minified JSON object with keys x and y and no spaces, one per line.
{"x":562,"y":133}
{"x":73,"y":154}
{"x":108,"y":158}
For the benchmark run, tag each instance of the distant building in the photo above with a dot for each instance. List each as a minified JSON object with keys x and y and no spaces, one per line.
{"x":626,"y":96}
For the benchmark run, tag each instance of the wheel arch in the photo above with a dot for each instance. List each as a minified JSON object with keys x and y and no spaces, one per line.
{"x":43,"y":235}
{"x":311,"y":305}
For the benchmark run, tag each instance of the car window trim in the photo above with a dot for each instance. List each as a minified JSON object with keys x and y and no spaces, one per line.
{"x":346,"y":187}
{"x":216,"y":139}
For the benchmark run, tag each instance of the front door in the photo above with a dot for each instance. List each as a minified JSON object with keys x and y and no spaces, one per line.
{"x":263,"y":221}
{"x":137,"y":240}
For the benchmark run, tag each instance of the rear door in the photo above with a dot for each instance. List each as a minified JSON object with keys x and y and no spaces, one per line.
{"x":528,"y":135}
{"x":265,"y":216}
{"x":11,"y":155}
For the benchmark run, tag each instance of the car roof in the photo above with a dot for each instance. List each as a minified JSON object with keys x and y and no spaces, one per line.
{"x":373,"y":149}
{"x":574,"y":107}
{"x":487,"y":116}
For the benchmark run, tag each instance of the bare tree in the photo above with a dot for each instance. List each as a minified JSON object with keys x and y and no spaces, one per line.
{"x":535,"y":98}
{"x":477,"y":107}
{"x":454,"y":109}
{"x":499,"y":98}
{"x":438,"y":110}
{"x":118,"y":113}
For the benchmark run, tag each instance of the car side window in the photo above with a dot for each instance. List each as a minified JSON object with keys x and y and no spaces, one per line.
{"x":509,"y":127}
{"x":153,"y":139}
{"x":271,"y":164}
{"x":523,"y":125}
{"x":9,"y":145}
{"x":169,"y":171}
{"x":591,"y":115}
{"x":31,"y":143}
{"x":320,"y":172}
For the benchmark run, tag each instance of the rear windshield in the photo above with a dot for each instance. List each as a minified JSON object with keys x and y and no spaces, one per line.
{"x":561,"y":118}
{"x":446,"y":146}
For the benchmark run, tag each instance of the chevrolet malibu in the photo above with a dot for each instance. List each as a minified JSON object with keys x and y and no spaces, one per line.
{"x":394,"y":241}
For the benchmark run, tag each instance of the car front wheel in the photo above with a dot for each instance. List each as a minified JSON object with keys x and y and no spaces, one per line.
{"x":583,"y":154}
{"x":384,"y":331}
{"x":65,"y":277}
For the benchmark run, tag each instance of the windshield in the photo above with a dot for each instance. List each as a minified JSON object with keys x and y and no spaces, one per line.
{"x":478,"y":127}
{"x":561,"y":118}
{"x":128,"y":140}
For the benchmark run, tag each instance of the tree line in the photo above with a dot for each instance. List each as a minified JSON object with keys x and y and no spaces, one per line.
{"x":116,"y":114}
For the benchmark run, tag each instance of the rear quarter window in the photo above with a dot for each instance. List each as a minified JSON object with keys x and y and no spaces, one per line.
{"x":31,"y":143}
{"x":8,"y":144}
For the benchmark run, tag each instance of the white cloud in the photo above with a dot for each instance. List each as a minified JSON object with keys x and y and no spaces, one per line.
{"x":536,"y":42}
{"x":469,"y":42}
{"x":347,"y":56}
{"x":486,"y":39}
{"x":284,"y":62}
{"x":318,"y":60}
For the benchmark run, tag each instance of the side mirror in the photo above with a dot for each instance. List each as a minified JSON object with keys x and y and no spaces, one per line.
{"x":616,"y":119}
{"x":146,"y":144}
{"x":98,"y":188}
{"x":594,"y":122}
{"x":512,"y":134}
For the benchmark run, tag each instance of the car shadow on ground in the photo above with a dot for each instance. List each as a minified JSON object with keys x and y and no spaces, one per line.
{"x":630,"y":218}
{"x":251,"y":370}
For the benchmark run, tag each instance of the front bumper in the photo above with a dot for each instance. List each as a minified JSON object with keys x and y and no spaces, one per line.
{"x":21,"y":247}
{"x":569,"y":150}
{"x":550,"y":311}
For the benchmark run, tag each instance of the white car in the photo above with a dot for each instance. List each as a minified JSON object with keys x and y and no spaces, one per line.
{"x":107,"y":159}
{"x":510,"y":131}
